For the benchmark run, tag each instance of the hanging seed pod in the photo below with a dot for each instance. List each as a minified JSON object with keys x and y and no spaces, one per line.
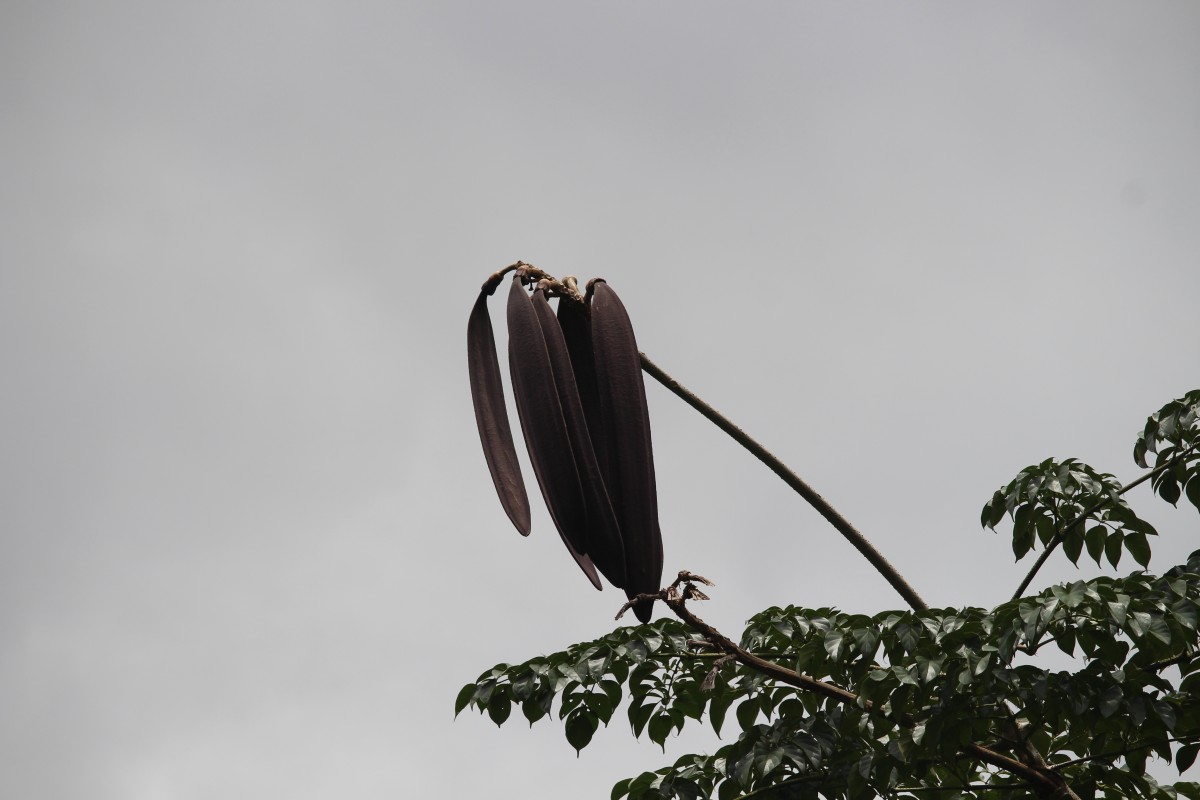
{"x":576,"y":322}
{"x":544,"y":427}
{"x":487,"y":395}
{"x":603,"y":538}
{"x":626,"y":423}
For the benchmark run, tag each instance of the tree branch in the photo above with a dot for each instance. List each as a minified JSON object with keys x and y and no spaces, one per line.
{"x":1181,"y":658}
{"x":1126,"y":751}
{"x":974,"y":787}
{"x":843,"y":526}
{"x":1044,"y":782}
{"x":769,"y":790}
{"x":1061,"y":534}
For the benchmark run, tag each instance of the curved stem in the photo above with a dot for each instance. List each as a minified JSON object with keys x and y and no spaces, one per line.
{"x":493,"y":281}
{"x":1061,"y":534}
{"x":801,"y":488}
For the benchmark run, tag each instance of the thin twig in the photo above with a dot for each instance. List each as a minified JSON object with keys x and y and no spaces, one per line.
{"x":973,"y":787}
{"x":1126,"y":751}
{"x":774,"y":788}
{"x":801,"y":488}
{"x":1159,"y":666}
{"x":1061,"y":534}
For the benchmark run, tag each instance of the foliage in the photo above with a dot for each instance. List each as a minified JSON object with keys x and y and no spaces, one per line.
{"x":925,"y":702}
{"x":1058,"y":499}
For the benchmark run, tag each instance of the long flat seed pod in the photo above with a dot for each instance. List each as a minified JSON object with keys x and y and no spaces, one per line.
{"x":627,"y":423}
{"x":545,"y":429}
{"x":604,"y":545}
{"x":487,"y":395}
{"x":576,"y":323}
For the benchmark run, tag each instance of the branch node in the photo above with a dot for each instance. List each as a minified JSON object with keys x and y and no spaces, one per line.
{"x":661,"y":594}
{"x":710,"y":680}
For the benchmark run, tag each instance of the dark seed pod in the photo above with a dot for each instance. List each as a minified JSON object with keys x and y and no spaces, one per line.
{"x":626,"y":420}
{"x":603,"y":533}
{"x":487,"y":395}
{"x":544,"y":427}
{"x":576,"y":323}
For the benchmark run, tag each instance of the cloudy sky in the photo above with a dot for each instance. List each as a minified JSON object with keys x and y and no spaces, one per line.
{"x":248,"y":544}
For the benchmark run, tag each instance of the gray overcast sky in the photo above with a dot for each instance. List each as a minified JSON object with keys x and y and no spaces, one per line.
{"x":249,"y":544}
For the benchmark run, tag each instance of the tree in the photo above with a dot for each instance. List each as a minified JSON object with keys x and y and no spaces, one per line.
{"x":918,"y":702}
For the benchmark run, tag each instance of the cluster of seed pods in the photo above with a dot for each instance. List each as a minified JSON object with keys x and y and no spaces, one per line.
{"x":577,"y":380}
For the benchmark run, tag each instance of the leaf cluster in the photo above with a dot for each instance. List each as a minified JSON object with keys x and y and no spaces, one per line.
{"x":1055,"y":502}
{"x":1171,"y":435}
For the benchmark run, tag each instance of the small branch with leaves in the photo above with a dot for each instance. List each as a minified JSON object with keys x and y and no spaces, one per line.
{"x":1040,"y":778}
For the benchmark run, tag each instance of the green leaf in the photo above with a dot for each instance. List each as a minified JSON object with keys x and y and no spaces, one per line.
{"x":833,"y":642}
{"x":747,"y":713}
{"x":1137,"y":709}
{"x":1119,"y":609}
{"x":1138,"y":547}
{"x":537,"y":706}
{"x":688,"y":704}
{"x":1023,"y":539}
{"x":1159,"y":629}
{"x":1139,"y":623}
{"x":1111,"y":701}
{"x":1169,"y":489}
{"x":660,"y":727}
{"x":1193,"y":490}
{"x":1165,"y":712}
{"x":612,"y":689}
{"x":929,"y":668}
{"x":499,"y":708}
{"x":1072,"y":595}
{"x":523,"y":686}
{"x":905,"y":675}
{"x":1072,"y":545}
{"x":1095,"y":542}
{"x":1139,"y":454}
{"x":866,"y":639}
{"x":1184,"y":612}
{"x":1112,"y":547}
{"x":601,"y":705}
{"x":580,"y":727}
{"x":572,"y":696}
{"x":1045,"y":528}
{"x":770,"y":761}
{"x":900,"y":747}
{"x":639,"y":715}
{"x":717,"y":707}
{"x":993,"y":511}
{"x":1186,"y":756}
{"x":465,"y":694}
